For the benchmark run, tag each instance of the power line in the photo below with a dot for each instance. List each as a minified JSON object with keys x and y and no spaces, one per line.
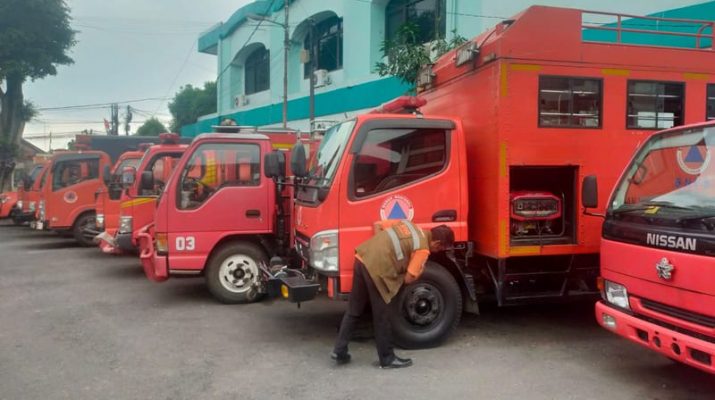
{"x":100,"y":105}
{"x":173,"y":82}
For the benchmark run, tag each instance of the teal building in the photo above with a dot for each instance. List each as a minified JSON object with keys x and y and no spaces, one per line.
{"x":345,"y":37}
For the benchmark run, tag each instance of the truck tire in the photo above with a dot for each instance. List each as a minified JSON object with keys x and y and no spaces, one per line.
{"x":81,"y":232}
{"x":426,"y":312}
{"x":233,"y":274}
{"x":17,"y":218}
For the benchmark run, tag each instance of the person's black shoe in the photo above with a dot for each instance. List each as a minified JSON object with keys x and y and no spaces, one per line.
{"x":397,"y":362}
{"x":340,"y":359}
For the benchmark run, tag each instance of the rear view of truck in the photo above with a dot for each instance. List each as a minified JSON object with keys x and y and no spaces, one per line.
{"x":658,"y":248}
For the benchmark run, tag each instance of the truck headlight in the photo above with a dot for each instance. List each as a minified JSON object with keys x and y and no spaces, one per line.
{"x":125,"y":224}
{"x":616,"y":294}
{"x":33,"y":206}
{"x":3,"y":199}
{"x":162,"y":243}
{"x":324,"y":251}
{"x":100,"y":221}
{"x":20,"y":204}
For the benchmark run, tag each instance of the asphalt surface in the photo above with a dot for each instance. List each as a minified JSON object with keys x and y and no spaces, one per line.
{"x":77,"y":324}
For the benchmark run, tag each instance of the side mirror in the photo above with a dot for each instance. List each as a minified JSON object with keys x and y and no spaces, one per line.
{"x":107,"y":175}
{"x":115,"y":192}
{"x":298,"y":161}
{"x":128,"y":176}
{"x":274,"y":164}
{"x":589,"y":192}
{"x":147,"y":181}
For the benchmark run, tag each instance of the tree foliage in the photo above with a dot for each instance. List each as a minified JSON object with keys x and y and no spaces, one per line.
{"x":406,"y":54}
{"x":190,"y":102}
{"x":152,"y":127}
{"x":35,"y":36}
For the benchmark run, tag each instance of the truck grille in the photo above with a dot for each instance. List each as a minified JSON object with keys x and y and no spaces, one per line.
{"x":679,"y":313}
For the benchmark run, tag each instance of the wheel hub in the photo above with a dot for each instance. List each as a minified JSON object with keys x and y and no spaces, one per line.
{"x":238,"y":273}
{"x":423,"y":305}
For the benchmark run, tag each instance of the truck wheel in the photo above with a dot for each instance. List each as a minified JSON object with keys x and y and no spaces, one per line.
{"x":427,"y":311}
{"x":84,"y":228}
{"x":16,"y":218}
{"x":233,"y":274}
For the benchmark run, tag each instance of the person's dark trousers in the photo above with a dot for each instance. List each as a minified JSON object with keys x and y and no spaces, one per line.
{"x":364,"y":291}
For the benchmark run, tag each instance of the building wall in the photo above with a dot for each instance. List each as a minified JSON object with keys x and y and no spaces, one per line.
{"x":354,"y":88}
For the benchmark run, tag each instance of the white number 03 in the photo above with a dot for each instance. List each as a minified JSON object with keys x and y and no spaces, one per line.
{"x":187,"y":243}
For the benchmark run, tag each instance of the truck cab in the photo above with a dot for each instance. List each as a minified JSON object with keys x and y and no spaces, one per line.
{"x":382,"y":166}
{"x":108,"y":197}
{"x":67,"y":201}
{"x":218,"y":215}
{"x":143,"y":185}
{"x":28,"y":195}
{"x":658,"y":247}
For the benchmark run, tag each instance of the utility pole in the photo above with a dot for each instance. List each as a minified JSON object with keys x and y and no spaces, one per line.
{"x":286,"y":46}
{"x":311,"y":56}
{"x":115,"y":120}
{"x":127,"y":120}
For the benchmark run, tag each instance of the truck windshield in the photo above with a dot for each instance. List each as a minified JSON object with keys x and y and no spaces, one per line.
{"x":127,"y":162}
{"x":673,"y":174}
{"x":325,"y":163}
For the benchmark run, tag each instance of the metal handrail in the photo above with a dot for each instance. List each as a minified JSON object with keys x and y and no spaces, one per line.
{"x":699,"y":35}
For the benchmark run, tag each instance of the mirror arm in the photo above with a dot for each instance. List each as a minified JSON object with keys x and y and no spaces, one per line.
{"x":592,"y":214}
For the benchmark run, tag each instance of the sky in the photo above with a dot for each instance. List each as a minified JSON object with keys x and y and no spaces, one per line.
{"x":126,"y":50}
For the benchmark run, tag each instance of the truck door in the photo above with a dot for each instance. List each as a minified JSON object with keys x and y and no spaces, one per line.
{"x":398,"y":169}
{"x":221,"y":190}
{"x":74,"y":182}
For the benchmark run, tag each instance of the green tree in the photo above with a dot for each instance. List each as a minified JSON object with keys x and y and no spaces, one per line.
{"x":406,"y":54}
{"x":190,"y":102}
{"x":35,"y":36}
{"x":152,"y":127}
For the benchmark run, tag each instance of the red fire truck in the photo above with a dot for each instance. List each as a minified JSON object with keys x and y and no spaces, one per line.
{"x":28,"y":193}
{"x":658,"y":247}
{"x":508,"y":125}
{"x":66,"y":202}
{"x":219,"y":216}
{"x":108,"y":196}
{"x":142,"y":187}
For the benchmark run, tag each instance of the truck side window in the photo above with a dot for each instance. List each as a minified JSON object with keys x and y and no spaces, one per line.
{"x":710,"y":110}
{"x":566,"y":102}
{"x":390,"y":158}
{"x":215,"y":166}
{"x":161,"y":168}
{"x":655,"y":105}
{"x":70,"y":173}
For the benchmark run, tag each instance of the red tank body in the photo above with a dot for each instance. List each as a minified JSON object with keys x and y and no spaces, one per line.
{"x":532,"y":106}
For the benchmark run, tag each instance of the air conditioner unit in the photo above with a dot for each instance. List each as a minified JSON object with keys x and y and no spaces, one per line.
{"x":241,"y":100}
{"x":322,"y":78}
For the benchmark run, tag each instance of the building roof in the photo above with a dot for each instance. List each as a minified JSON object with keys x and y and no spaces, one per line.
{"x":31,"y":147}
{"x":208,"y":41}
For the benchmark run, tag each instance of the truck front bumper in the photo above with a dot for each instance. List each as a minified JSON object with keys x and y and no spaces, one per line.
{"x":671,"y":343}
{"x":107,"y":243}
{"x":156,"y":267}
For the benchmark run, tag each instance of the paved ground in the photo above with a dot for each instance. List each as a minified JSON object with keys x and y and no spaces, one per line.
{"x":75,"y":324}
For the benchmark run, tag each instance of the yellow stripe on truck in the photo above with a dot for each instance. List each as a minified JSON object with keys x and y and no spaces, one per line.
{"x":136,"y":202}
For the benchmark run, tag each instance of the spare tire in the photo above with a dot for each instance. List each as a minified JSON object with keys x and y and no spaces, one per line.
{"x":426,"y":312}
